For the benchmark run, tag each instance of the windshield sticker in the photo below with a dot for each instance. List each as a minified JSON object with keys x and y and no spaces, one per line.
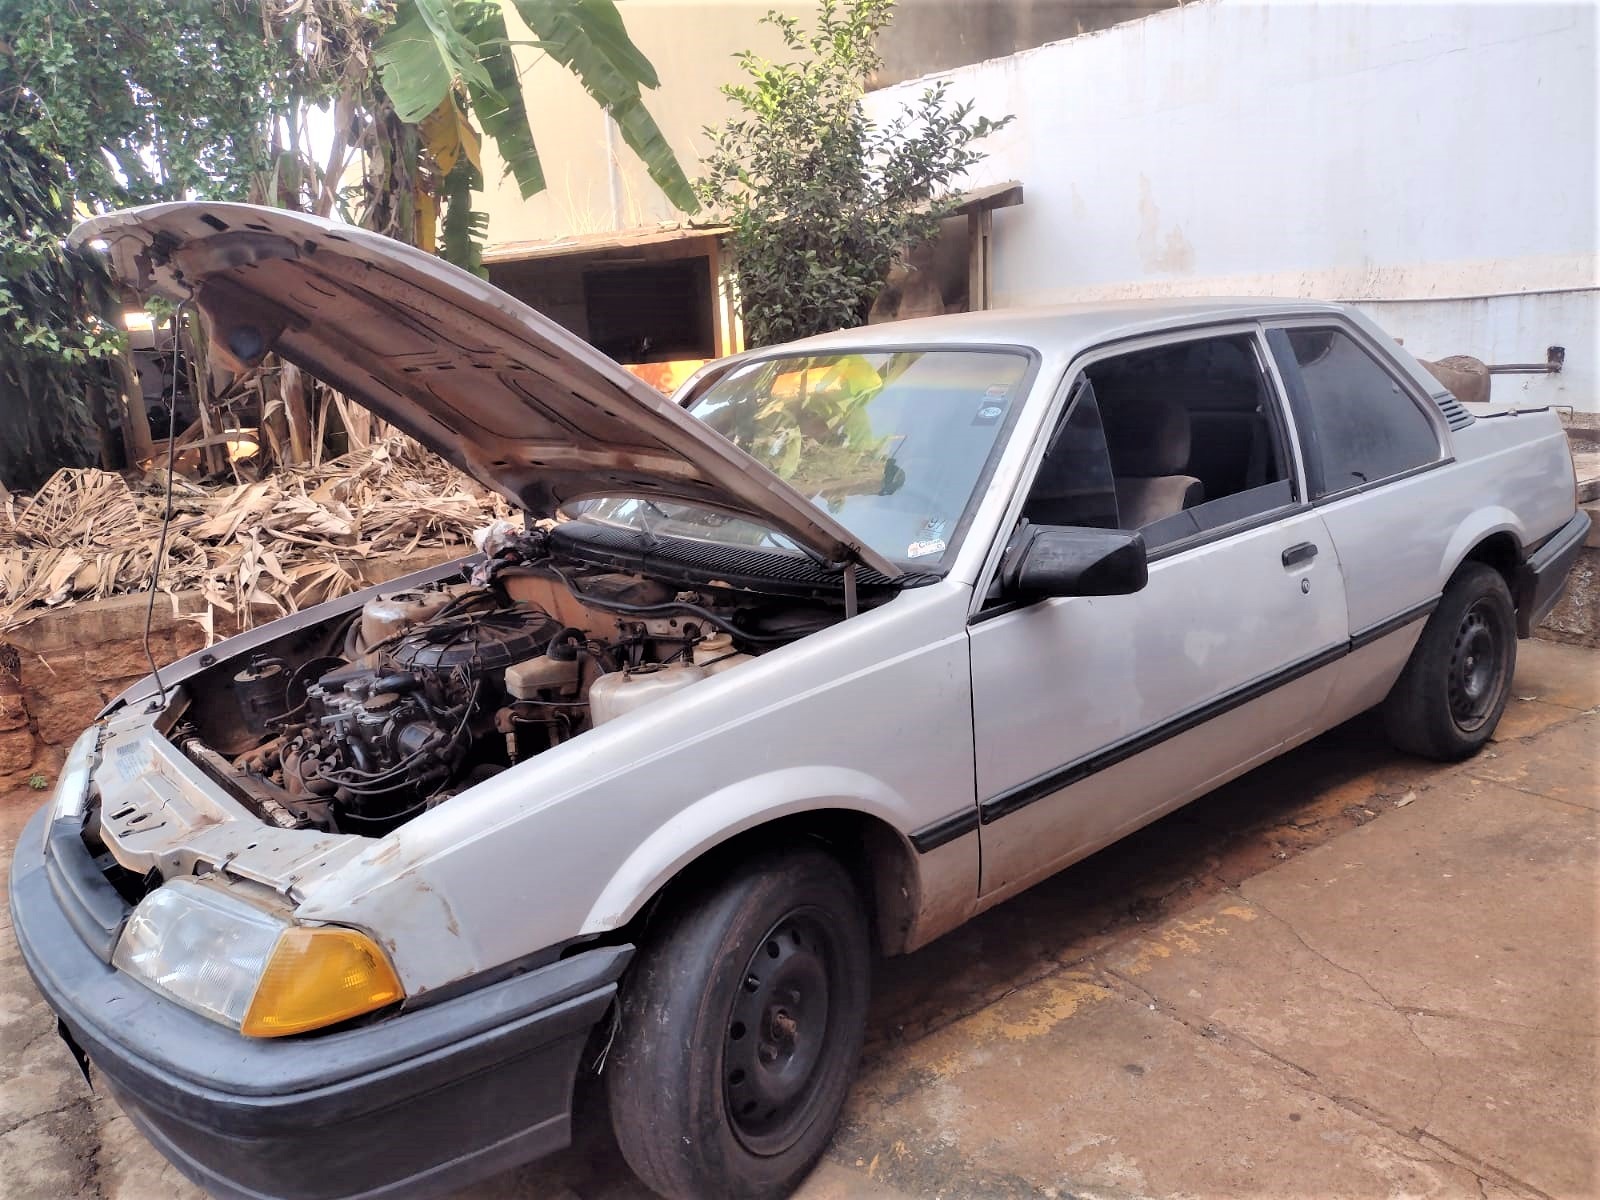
{"x":991,"y":410}
{"x":923,"y":549}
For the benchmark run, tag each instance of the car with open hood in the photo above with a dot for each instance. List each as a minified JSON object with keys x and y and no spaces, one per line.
{"x":853,"y":639}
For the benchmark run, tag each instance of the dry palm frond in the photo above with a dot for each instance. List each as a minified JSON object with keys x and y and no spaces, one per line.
{"x":276,"y":545}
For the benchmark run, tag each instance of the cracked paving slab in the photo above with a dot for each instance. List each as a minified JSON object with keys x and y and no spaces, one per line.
{"x":1560,"y":765}
{"x":1073,"y":1087}
{"x":1469,"y":922}
{"x":1406,"y":1010}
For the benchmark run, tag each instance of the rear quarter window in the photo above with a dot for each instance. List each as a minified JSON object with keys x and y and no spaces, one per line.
{"x":1357,"y":423}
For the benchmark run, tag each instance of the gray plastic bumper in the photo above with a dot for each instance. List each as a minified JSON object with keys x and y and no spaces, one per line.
{"x":1541,"y":579}
{"x":417,"y":1104}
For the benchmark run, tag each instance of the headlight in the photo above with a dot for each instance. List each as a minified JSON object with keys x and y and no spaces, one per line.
{"x":72,"y":789}
{"x":262,"y":974}
{"x":204,"y":949}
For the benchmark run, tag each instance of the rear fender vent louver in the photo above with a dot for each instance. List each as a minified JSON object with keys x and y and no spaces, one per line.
{"x":1455,"y":413}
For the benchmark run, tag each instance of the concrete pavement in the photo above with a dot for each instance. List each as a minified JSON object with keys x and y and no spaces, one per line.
{"x":1348,"y":974}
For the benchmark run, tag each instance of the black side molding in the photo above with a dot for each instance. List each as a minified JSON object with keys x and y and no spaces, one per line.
{"x":1037,"y":788}
{"x":1382,"y":629}
{"x":947,"y":829}
{"x":944,"y":830}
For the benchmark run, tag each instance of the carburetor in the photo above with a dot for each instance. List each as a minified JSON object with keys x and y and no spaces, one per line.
{"x":381,"y":735}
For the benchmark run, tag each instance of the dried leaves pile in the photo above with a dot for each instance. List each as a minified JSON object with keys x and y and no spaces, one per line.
{"x":279,"y":544}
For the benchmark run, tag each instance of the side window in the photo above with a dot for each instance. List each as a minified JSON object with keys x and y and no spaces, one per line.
{"x":1074,"y":484}
{"x":1194,"y":436}
{"x":1356,"y":421}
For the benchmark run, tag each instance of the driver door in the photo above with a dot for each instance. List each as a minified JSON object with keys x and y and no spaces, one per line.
{"x":1095,"y":715}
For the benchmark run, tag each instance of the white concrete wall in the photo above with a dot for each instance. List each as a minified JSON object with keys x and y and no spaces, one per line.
{"x":1435,"y":163}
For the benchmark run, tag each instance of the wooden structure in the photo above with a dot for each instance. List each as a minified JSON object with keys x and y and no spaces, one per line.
{"x":978,"y":207}
{"x":641,"y":295}
{"x":661,"y":295}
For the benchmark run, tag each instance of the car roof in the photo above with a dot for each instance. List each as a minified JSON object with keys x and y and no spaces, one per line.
{"x":1064,"y":329}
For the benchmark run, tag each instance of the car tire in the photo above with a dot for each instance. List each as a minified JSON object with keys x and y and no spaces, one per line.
{"x":1449,"y":698}
{"x":740,"y":1030}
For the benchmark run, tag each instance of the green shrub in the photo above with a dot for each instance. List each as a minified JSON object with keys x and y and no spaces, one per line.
{"x":822,"y":200}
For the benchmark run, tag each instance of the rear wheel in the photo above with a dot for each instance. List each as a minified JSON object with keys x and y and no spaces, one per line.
{"x":1449,"y":698}
{"x":741,"y":1026}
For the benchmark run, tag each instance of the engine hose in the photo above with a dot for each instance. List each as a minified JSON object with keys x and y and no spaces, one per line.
{"x":667,"y":609}
{"x":351,"y":638}
{"x":576,"y":637}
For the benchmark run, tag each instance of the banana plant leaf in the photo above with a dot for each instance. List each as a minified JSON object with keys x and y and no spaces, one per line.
{"x":499,"y":108}
{"x":413,"y":65}
{"x":588,"y":38}
{"x":464,"y":227}
{"x":435,"y":42}
{"x":448,"y":134}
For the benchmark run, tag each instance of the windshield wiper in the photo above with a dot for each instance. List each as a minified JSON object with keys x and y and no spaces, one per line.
{"x":825,"y":563}
{"x":651,"y":536}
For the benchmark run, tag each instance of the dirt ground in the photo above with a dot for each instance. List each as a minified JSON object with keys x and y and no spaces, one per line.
{"x":1347,"y":974}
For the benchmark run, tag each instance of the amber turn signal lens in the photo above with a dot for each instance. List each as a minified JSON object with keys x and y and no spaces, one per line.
{"x":319,"y":976}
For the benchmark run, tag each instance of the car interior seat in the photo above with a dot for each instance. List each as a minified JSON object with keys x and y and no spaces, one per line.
{"x":1147,"y":430}
{"x":1230,"y":442}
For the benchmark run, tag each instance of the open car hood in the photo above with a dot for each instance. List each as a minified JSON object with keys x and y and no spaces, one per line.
{"x":501,"y":391}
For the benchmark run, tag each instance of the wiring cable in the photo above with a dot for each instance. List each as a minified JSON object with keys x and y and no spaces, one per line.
{"x":166,"y":516}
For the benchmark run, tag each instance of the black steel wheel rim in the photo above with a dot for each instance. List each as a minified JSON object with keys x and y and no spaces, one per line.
{"x":1477,"y":667}
{"x":775,"y":1047}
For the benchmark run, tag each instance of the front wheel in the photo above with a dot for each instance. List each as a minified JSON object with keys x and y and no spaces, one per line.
{"x":1449,"y":698}
{"x":740,"y":1029}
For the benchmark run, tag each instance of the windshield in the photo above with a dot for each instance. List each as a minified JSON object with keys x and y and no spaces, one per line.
{"x":891,"y":443}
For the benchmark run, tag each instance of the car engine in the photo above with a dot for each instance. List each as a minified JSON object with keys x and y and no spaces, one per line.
{"x":362,"y":723}
{"x":379,"y":736}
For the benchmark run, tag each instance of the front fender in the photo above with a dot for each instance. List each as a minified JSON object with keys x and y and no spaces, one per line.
{"x":728,"y":812}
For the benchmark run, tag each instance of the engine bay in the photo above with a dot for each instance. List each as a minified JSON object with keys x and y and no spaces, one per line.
{"x":360,"y":723}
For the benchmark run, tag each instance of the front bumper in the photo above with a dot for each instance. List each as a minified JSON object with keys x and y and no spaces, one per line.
{"x":1541,"y":580}
{"x":418,"y":1104}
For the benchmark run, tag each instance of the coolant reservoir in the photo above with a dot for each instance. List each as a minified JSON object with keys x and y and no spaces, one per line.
{"x":530,"y":679}
{"x":612,"y":695}
{"x":716,"y":654}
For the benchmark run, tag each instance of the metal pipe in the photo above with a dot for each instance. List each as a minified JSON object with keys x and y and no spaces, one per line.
{"x":1555,"y":358}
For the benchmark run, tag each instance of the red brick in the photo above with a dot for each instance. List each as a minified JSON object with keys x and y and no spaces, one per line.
{"x":13,"y":712}
{"x":62,"y":716}
{"x":16,"y":756}
{"x":124,"y":657}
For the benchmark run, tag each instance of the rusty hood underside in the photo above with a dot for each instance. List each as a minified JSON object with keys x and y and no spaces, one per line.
{"x":504,"y":393}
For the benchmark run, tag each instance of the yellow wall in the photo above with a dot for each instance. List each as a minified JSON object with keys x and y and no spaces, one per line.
{"x":691,"y":44}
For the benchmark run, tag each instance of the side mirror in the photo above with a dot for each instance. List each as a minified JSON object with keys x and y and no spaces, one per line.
{"x":1051,"y":560}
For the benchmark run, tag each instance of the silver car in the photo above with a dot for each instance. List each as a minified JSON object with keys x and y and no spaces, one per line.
{"x":853,"y":641}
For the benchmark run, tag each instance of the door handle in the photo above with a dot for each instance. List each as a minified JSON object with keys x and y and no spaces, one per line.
{"x":1302,"y":553}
